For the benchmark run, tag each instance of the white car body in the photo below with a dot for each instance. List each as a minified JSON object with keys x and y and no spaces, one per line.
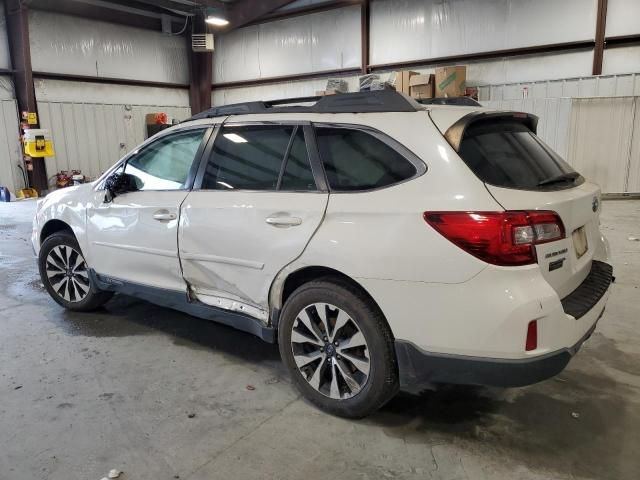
{"x":216,"y":247}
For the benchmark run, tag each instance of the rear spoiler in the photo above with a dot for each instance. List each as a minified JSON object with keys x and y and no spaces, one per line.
{"x":455,"y":133}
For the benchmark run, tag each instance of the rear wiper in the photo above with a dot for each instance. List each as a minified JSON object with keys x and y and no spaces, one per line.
{"x":565,"y":177}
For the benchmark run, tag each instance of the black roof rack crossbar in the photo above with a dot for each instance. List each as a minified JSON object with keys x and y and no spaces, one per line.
{"x":456,"y":101}
{"x":359,"y":102}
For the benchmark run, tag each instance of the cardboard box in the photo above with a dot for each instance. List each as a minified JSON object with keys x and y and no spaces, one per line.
{"x":422,"y":86}
{"x":402,"y":80}
{"x":157,"y":118}
{"x":450,"y":81}
{"x":322,"y":93}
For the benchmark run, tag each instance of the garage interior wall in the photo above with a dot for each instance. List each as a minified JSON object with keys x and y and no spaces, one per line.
{"x":95,"y":124}
{"x":544,"y":84}
{"x":423,"y":28}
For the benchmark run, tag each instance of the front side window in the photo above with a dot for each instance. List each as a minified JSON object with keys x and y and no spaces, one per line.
{"x":165,"y":164}
{"x":356,"y":160}
{"x":259,"y":157}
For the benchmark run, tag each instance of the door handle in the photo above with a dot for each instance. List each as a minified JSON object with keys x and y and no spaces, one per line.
{"x":164,"y":216}
{"x":284,"y":221}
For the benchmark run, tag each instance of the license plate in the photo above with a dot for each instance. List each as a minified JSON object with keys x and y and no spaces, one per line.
{"x":580,"y":241}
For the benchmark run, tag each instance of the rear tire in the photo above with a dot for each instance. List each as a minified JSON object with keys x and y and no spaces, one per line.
{"x":338,"y":348}
{"x":65,"y":274}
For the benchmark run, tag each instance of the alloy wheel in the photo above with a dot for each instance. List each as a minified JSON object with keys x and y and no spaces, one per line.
{"x":330,"y":351}
{"x":67,"y":273}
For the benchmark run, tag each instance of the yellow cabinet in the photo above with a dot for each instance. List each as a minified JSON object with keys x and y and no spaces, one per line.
{"x":38,"y":143}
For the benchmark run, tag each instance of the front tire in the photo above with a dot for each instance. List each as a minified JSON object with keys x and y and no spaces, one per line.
{"x":65,"y":274}
{"x":338,"y":348}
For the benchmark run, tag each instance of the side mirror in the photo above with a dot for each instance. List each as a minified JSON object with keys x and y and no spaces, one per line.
{"x":118,"y":183}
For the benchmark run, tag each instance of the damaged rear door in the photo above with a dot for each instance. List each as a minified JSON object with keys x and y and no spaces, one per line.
{"x":259,"y":196}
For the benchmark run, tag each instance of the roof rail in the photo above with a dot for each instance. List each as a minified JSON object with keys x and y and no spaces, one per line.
{"x":456,"y":101}
{"x":359,"y":102}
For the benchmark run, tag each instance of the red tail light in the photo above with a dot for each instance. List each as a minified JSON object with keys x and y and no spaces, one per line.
{"x":501,"y":238}
{"x":531,"y":343}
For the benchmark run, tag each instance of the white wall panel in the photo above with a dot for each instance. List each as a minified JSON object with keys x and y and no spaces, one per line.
{"x":311,"y":43}
{"x":5,"y":59}
{"x":303,"y":88}
{"x":419,"y":29}
{"x":622,"y":59}
{"x":10,"y":175}
{"x":600,"y":140}
{"x":91,"y":136}
{"x":623,"y":17}
{"x":84,"y":92}
{"x":73,"y":45}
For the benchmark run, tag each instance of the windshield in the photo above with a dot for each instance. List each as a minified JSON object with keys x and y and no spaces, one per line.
{"x":508,"y":154}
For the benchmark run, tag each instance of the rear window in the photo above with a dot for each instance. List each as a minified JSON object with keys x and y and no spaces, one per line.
{"x":508,"y":154}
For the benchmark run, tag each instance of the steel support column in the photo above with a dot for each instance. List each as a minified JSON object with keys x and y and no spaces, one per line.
{"x":601,"y":27}
{"x":20,"y":52}
{"x":200,"y":70}
{"x":364,"y":35}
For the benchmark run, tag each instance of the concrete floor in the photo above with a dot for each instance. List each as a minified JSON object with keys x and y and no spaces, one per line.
{"x":81,"y":394}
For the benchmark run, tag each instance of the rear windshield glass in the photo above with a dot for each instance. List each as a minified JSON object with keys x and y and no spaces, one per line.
{"x":508,"y":154}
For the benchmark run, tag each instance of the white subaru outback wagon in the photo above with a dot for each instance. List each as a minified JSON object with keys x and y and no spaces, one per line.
{"x":380,"y":242}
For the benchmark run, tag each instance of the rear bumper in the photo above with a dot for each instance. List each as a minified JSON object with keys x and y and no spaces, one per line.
{"x":418,"y":368}
{"x":582,"y":308}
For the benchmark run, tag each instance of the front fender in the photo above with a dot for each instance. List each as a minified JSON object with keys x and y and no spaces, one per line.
{"x":67,"y":205}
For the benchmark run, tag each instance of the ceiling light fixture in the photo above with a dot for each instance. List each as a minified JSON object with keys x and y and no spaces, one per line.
{"x":217,"y":21}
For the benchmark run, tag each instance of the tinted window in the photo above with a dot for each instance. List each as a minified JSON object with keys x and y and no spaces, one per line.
{"x":356,"y":160}
{"x":165,"y":164}
{"x":297,"y":172}
{"x":248,"y":158}
{"x":507,"y":154}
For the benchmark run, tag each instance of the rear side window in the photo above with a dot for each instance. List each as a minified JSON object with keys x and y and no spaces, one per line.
{"x":508,"y":154}
{"x":356,"y":160}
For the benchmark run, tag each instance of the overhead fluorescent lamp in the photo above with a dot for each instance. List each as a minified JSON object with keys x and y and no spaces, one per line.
{"x":217,"y":21}
{"x":235,"y":138}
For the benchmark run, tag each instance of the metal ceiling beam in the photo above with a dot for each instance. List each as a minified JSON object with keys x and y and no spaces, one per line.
{"x":601,"y":27}
{"x":243,"y":12}
{"x":306,"y":10}
{"x":122,"y":12}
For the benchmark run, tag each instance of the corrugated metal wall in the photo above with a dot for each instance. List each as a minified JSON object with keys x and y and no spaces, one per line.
{"x":91,"y":136}
{"x":603,"y":143}
{"x":10,"y":156}
{"x":579,"y":87}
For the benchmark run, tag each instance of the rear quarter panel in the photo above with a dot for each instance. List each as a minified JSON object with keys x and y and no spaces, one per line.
{"x":382,"y":234}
